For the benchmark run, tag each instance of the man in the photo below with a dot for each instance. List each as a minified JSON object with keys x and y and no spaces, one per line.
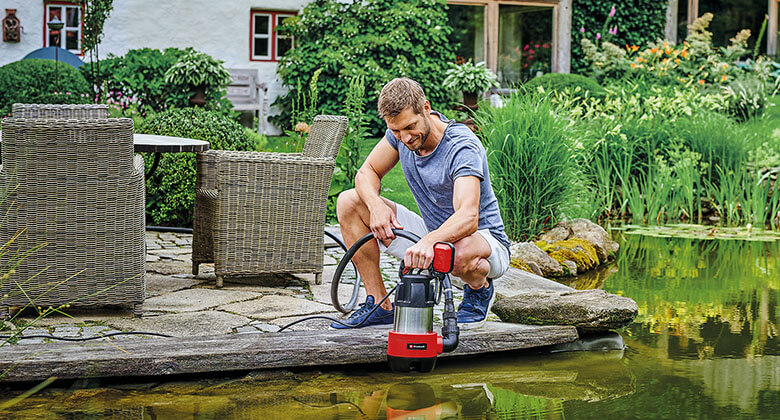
{"x":446,"y":168}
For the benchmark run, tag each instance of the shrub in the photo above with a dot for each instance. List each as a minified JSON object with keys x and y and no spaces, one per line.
{"x":170,"y":193}
{"x":562,"y":81}
{"x":196,"y":70}
{"x":377,"y":39}
{"x":532,"y":169}
{"x":139,"y":73}
{"x":41,"y":81}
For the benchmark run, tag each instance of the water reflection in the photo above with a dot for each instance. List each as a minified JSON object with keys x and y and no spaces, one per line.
{"x":705,"y":345}
{"x":521,"y":387}
{"x":708,"y":313}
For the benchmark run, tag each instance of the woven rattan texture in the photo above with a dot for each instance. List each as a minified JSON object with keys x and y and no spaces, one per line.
{"x":74,"y":189}
{"x":265,"y":212}
{"x":80,"y":112}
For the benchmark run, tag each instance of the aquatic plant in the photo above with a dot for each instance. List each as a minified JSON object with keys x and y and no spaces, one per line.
{"x":529,"y":151}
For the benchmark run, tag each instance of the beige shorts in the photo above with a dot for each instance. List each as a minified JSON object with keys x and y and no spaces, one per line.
{"x":412,"y":222}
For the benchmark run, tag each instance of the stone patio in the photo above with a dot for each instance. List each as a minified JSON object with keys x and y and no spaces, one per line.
{"x":183,"y":305}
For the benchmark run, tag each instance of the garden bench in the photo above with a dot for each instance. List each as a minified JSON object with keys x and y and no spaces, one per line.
{"x":247,"y":94}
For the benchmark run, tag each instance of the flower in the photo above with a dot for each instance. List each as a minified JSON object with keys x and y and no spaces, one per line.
{"x":613,"y":31}
{"x":582,"y":29}
{"x":612,"y":11}
{"x":723,"y":78}
{"x":598,"y":36}
{"x":536,"y":45}
{"x":701,"y":81}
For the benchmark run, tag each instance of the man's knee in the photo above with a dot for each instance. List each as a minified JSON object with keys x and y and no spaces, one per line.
{"x":347,"y":203}
{"x":464,"y":267}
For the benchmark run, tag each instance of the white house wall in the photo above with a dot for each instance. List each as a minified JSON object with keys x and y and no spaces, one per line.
{"x":218,"y":28}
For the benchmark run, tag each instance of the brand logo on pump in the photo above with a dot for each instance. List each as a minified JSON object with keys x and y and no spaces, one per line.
{"x":416,"y":346}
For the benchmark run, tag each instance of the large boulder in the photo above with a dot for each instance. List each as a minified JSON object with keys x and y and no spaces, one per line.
{"x":529,"y":253}
{"x":596,"y":235}
{"x":588,"y":310}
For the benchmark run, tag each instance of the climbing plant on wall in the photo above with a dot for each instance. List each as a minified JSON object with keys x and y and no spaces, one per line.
{"x":95,"y":14}
{"x":637,"y":22}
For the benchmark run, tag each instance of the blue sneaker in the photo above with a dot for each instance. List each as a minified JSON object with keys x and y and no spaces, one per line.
{"x":380,"y":317}
{"x":472,"y":312}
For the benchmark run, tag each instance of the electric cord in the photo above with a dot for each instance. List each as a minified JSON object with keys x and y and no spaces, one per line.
{"x":308,"y":318}
{"x":24,"y":337}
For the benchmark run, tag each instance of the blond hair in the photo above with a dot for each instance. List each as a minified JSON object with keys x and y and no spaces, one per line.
{"x":399,"y":94}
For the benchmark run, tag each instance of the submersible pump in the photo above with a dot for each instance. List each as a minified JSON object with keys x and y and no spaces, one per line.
{"x":412,"y":345}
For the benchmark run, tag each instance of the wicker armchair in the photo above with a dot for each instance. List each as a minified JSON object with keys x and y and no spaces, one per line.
{"x":74,"y":198}
{"x":259,"y":212}
{"x":79,"y":112}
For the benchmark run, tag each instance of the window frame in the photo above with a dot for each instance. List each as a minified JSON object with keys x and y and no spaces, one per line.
{"x":273,"y":38}
{"x":64,"y":5}
{"x":492,"y":23}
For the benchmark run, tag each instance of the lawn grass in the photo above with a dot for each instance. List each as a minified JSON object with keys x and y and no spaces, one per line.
{"x":394,"y":186}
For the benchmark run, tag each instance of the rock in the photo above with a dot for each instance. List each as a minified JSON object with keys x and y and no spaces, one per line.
{"x":560,"y":232}
{"x":535,"y":268}
{"x":596,"y":235}
{"x":572,"y":267}
{"x":529,"y":253}
{"x":588,"y":310}
{"x":516,"y":281}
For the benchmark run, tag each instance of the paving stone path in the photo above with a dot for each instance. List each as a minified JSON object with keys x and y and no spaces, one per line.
{"x":180,"y":304}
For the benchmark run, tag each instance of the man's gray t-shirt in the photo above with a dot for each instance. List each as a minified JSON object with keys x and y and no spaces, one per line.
{"x":432,"y":177}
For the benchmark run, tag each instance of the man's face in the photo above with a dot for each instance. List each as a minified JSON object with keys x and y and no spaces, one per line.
{"x":412,"y":129}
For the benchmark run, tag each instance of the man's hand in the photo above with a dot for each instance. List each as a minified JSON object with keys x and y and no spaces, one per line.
{"x":419,"y":255}
{"x":383,"y":221}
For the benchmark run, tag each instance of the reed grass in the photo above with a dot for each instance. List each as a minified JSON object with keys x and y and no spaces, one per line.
{"x":529,"y":152}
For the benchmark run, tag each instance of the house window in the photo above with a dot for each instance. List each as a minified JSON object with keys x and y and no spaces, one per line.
{"x":266,"y":44}
{"x":69,"y":37}
{"x":515,"y":39}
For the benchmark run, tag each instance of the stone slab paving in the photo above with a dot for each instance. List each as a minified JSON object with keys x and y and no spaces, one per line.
{"x":193,"y":300}
{"x":273,"y":306}
{"x":179,"y":303}
{"x":184,"y":324}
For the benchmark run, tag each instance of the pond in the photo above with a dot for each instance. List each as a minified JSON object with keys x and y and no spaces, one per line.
{"x":705,"y":345}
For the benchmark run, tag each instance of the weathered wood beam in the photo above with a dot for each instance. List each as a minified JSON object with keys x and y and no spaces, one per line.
{"x":224,"y":353}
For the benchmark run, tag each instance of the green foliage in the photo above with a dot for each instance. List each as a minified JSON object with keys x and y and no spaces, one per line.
{"x":376,"y":39}
{"x":41,"y":81}
{"x":470,"y":78}
{"x":196,"y":70}
{"x":139,"y":74}
{"x":577,"y":84}
{"x":637,"y":21}
{"x":529,"y":153}
{"x":95,"y":14}
{"x":171,"y":191}
{"x":348,"y":161}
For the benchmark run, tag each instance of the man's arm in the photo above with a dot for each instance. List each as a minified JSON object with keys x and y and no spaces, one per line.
{"x":368,"y":183}
{"x":463,"y":222}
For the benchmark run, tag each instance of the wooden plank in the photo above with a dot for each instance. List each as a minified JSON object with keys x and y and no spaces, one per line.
{"x":187,"y":355}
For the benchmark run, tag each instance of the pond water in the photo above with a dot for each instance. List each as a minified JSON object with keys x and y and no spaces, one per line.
{"x":704,"y":345}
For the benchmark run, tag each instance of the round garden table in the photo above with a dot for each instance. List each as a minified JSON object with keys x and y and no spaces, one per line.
{"x":158,"y":145}
{"x":150,"y":143}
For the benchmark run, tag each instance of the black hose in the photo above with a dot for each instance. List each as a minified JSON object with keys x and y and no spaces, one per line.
{"x":449,"y":329}
{"x":334,"y":285}
{"x":340,"y":322}
{"x":51,"y":337}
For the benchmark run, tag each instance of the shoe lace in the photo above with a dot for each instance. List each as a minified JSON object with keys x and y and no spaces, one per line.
{"x":471,"y":302}
{"x":364,"y":308}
